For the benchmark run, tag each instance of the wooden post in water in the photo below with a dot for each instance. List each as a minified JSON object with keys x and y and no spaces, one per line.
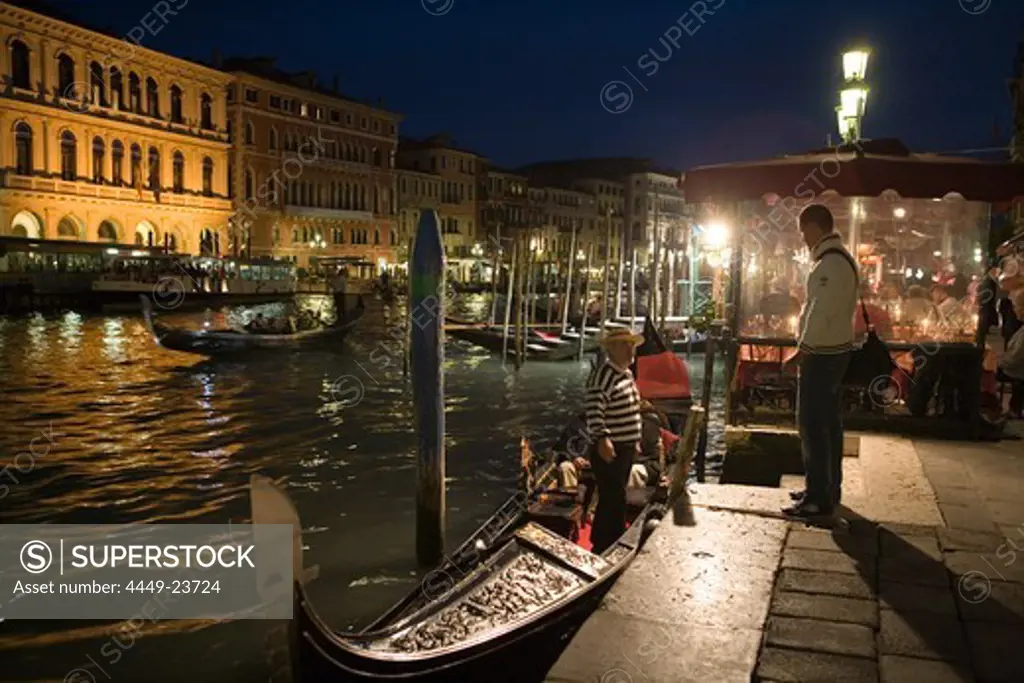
{"x":408,"y":313}
{"x":568,"y":280}
{"x":618,"y":278}
{"x":705,"y":400}
{"x":585,"y":288}
{"x":508,"y":302}
{"x":426,"y":312}
{"x":495,"y":274}
{"x":520,"y":312}
{"x":632,"y":291}
{"x":607,"y":267}
{"x":531,"y":289}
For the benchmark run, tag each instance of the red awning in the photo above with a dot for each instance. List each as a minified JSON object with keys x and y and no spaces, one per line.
{"x":875,"y":167}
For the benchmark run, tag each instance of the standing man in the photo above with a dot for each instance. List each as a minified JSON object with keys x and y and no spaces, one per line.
{"x":613,"y":421}
{"x":823,"y":356}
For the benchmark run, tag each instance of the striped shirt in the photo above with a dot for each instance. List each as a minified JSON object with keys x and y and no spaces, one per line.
{"x":613,"y":405}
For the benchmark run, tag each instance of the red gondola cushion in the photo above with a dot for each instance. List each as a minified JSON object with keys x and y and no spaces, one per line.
{"x":662,"y":376}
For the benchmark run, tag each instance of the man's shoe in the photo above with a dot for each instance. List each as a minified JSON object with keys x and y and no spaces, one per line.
{"x":807,"y":510}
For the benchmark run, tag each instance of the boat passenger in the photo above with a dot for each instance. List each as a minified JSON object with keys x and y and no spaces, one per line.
{"x":571,"y":451}
{"x":652,"y":455}
{"x":257,"y":324}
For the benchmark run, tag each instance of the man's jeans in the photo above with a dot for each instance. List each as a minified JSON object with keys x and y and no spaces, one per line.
{"x":819,"y":418}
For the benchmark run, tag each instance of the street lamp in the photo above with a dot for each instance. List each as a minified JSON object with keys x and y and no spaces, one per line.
{"x":854,"y":94}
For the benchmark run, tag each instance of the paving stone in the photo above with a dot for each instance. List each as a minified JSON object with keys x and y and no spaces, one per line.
{"x":906,"y":529}
{"x":1006,"y":513}
{"x":904,"y":597}
{"x":922,"y":635}
{"x":957,"y":495}
{"x":992,"y":601}
{"x":894,"y":669}
{"x":795,"y":666}
{"x":966,"y":539}
{"x":946,"y":475}
{"x":926,"y":573}
{"x":1003,"y":565}
{"x":821,"y":636}
{"x":973,"y":517}
{"x":826,"y":608}
{"x":820,"y":539}
{"x":911,"y":548}
{"x":996,"y":652}
{"x":1012,"y":533}
{"x":824,"y":561}
{"x":826,"y":583}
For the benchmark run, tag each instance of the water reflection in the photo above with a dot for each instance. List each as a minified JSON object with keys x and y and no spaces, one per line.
{"x":141,"y":434}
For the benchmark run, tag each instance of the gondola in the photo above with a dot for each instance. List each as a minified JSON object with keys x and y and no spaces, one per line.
{"x":228,"y":342}
{"x":520,"y":583}
{"x":540,"y":345}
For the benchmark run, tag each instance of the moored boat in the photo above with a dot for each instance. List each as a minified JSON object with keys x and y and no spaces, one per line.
{"x":540,"y":345}
{"x":227,"y":341}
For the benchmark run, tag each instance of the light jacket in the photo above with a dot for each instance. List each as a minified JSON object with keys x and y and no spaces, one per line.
{"x":826,"y":320}
{"x":1012,"y":361}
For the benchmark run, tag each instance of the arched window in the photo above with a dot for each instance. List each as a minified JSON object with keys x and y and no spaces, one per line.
{"x":136,"y":170}
{"x":179,"y":172}
{"x":376,"y":200}
{"x":68,"y":156}
{"x":295,"y":235}
{"x":376,"y":157}
{"x":208,"y":176}
{"x":376,"y":236}
{"x":23,"y":146}
{"x":107,"y":232}
{"x":152,"y":98}
{"x":154,"y":168}
{"x":206,"y":112}
{"x":362,"y":198}
{"x":134,"y":93}
{"x":21,"y":65}
{"x":273,"y":139}
{"x":250,"y":133}
{"x":117,"y":163}
{"x":66,"y":76}
{"x":249,"y":184}
{"x":176,"y":113}
{"x":67,"y":228}
{"x":98,"y":154}
{"x":97,"y":88}
{"x":116,"y":89}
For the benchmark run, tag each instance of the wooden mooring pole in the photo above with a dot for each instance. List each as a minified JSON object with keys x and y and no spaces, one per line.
{"x":426,"y":332}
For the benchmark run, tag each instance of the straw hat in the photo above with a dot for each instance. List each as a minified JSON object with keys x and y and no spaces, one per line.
{"x":620,"y":334}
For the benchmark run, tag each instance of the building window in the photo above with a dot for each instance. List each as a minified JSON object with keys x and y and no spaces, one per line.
{"x":376,"y":126}
{"x":23,"y":145}
{"x":231,"y":179}
{"x":250,"y":133}
{"x":252,"y":96}
{"x":206,"y":109}
{"x":208,"y":176}
{"x":363,"y":123}
{"x":273,"y":140}
{"x":230,"y":91}
{"x":134,"y":93}
{"x":231,"y":130}
{"x":376,"y":236}
{"x":304,"y":109}
{"x":376,"y":157}
{"x":98,"y":152}
{"x":154,"y":169}
{"x":116,"y":89}
{"x":249,"y":182}
{"x":68,"y":156}
{"x":176,"y":113}
{"x":98,"y":92}
{"x":179,"y":172}
{"x":318,"y":113}
{"x":275,"y":101}
{"x":288,"y":106}
{"x":152,"y":98}
{"x":444,"y":162}
{"x":117,"y":163}
{"x":107,"y":232}
{"x":66,"y":76}
{"x":335,"y":116}
{"x":136,"y":166}
{"x":21,"y":65}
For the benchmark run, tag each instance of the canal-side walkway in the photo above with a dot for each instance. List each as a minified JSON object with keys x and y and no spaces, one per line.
{"x":924,"y":582}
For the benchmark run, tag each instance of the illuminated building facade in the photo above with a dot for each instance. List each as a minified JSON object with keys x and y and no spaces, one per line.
{"x":312,"y":172}
{"x":108,"y":141}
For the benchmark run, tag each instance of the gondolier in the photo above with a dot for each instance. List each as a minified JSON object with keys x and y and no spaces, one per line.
{"x":613,"y":420}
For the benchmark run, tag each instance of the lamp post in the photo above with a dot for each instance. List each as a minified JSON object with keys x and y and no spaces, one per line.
{"x":853,"y":97}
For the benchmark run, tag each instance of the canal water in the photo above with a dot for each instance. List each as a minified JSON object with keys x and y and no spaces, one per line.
{"x":134,"y":433}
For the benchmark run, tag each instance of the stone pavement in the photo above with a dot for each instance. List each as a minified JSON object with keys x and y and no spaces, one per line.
{"x":924,"y":583}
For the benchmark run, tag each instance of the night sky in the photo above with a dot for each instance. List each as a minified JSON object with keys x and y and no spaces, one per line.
{"x":521,"y":81}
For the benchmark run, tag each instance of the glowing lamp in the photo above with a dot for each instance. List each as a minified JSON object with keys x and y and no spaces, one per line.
{"x":855,"y":64}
